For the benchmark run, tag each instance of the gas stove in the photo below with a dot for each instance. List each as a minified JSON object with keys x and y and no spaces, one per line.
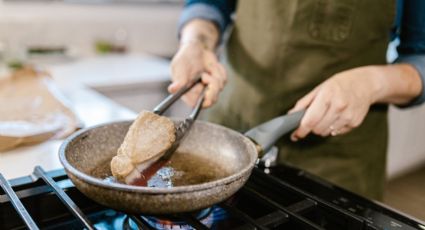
{"x":280,"y":197}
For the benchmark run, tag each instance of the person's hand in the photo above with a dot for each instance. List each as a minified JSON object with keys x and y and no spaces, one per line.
{"x":338,"y":105}
{"x":191,"y":60}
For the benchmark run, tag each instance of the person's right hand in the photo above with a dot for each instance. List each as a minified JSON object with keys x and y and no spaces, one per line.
{"x":193,"y":59}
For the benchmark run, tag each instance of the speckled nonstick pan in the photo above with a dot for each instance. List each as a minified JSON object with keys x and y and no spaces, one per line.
{"x":94,"y":147}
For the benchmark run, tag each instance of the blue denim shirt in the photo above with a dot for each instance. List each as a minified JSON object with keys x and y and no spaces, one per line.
{"x":409,"y":28}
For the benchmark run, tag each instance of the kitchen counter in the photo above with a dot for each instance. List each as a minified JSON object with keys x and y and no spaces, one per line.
{"x":91,"y":108}
{"x":76,"y":80}
{"x":112,"y":71}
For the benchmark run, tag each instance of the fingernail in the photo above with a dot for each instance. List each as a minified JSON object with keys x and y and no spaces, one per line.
{"x":294,"y":139}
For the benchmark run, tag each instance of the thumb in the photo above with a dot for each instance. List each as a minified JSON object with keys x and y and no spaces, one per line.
{"x":174,"y":86}
{"x":180,"y":76}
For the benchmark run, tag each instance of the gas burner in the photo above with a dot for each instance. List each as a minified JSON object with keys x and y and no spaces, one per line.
{"x":207,"y":217}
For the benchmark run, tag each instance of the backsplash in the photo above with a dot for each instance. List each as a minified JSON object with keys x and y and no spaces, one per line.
{"x":76,"y":28}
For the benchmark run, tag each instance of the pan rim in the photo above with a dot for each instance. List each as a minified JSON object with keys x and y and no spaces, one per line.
{"x":153,"y":190}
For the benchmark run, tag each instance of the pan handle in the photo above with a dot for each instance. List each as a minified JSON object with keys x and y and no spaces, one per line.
{"x":267,"y":133}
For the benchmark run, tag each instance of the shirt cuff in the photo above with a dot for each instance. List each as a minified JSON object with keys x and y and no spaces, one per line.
{"x":201,"y":11}
{"x":418,"y":62}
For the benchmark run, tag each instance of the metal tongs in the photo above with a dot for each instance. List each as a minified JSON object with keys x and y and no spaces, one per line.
{"x":183,"y":127}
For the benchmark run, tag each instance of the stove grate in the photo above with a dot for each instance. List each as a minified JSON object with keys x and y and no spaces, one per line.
{"x":308,"y":224}
{"x":49,"y":200}
{"x":193,"y":221}
{"x":141,"y":223}
{"x":66,"y":200}
{"x":282,"y":214}
{"x":17,"y":204}
{"x":243,"y":216}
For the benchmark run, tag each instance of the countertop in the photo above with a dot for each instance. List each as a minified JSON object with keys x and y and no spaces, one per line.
{"x":75,"y":79}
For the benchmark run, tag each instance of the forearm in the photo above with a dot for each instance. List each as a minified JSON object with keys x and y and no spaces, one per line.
{"x":395,"y":84}
{"x":200,"y":31}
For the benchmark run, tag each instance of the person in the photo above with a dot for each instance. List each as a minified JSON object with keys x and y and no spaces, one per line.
{"x":328,"y":57}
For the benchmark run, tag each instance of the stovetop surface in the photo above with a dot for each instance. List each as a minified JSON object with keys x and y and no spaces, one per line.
{"x":280,"y":197}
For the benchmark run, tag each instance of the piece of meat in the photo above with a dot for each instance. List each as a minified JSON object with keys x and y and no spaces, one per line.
{"x":147,"y":139}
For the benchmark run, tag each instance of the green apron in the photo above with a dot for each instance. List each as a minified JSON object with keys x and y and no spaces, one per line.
{"x":279,"y":50}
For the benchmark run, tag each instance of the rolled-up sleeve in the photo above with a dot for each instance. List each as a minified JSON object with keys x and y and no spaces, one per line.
{"x":418,"y":62}
{"x":412,"y":41}
{"x":217,"y":11}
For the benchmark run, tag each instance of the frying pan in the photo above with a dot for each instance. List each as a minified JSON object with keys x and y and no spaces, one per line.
{"x":85,"y":151}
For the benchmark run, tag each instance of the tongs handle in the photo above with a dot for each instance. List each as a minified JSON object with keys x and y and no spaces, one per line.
{"x":184,"y":126}
{"x":198,"y":106}
{"x":168,"y":101}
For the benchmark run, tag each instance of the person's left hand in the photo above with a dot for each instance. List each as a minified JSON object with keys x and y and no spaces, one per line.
{"x":337,"y":105}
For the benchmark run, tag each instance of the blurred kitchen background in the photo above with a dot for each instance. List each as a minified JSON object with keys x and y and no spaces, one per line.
{"x":121,"y":49}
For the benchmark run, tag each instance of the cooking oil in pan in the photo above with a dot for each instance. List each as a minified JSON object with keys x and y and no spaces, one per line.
{"x":181,"y":169}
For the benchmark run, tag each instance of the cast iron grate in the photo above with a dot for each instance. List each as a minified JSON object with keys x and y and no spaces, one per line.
{"x":265,"y":202}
